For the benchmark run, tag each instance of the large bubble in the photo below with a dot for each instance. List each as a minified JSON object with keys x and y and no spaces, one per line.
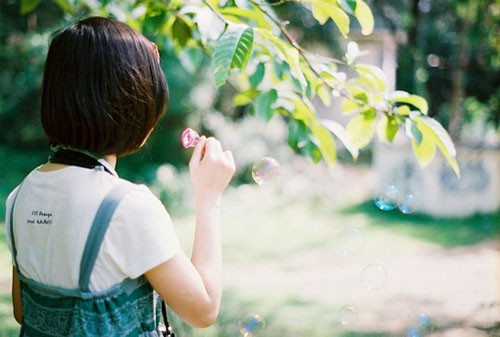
{"x":266,"y":171}
{"x":251,"y":324}
{"x":350,"y":241}
{"x":421,"y":325}
{"x":374,"y":277}
{"x":407,"y":204}
{"x":387,"y":199}
{"x":348,"y":315}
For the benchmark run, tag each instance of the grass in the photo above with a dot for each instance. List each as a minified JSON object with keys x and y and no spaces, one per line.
{"x":277,"y":251}
{"x":447,"y":233}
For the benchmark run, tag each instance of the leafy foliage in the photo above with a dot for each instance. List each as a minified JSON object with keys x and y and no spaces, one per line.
{"x":237,"y":34}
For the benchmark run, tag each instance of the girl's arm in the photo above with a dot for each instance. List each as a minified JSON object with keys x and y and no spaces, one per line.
{"x":193,"y":288}
{"x":16,"y":297}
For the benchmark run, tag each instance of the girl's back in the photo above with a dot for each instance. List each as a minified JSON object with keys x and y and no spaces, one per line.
{"x":54,"y":212}
{"x":89,"y":248}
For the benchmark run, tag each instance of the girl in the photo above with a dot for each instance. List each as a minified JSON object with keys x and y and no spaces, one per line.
{"x":90,"y":249}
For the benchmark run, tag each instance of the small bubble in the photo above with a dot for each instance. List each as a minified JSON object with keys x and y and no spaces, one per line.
{"x":387,"y":199}
{"x":423,"y":320}
{"x":347,"y":315}
{"x":251,"y":324}
{"x":266,"y":171}
{"x":350,"y":241}
{"x":421,"y":325}
{"x":408,"y":204}
{"x":413,"y":332}
{"x":374,"y":277}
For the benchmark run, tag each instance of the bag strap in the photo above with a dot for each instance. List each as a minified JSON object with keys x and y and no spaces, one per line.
{"x":11,"y":225}
{"x":169,"y":331}
{"x":98,"y":230}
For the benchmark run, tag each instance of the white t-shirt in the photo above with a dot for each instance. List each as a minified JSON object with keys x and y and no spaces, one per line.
{"x":53,"y":215}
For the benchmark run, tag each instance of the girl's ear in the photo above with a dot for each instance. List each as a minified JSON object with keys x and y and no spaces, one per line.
{"x":155,"y":48}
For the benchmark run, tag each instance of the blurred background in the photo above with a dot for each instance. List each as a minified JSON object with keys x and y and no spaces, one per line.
{"x":376,"y":247}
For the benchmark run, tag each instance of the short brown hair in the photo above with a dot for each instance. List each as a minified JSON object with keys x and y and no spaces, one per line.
{"x":103,"y":88}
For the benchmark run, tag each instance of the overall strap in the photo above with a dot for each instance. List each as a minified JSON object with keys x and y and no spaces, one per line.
{"x":98,"y":230}
{"x":11,"y":226}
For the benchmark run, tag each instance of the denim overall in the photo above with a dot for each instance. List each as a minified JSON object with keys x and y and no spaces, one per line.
{"x":130,"y":308}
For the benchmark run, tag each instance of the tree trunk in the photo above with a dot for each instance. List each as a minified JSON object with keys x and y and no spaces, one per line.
{"x":412,"y":42}
{"x":458,"y":82}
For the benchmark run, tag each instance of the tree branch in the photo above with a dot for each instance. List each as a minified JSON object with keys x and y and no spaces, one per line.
{"x":305,"y":53}
{"x":289,"y":37}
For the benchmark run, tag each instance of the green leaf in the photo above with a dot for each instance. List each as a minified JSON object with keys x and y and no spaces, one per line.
{"x":404,"y":110}
{"x":298,"y":134}
{"x":365,"y":17}
{"x":339,"y":131}
{"x":325,"y":142}
{"x":28,"y":6}
{"x":157,"y":21}
{"x":374,"y":76}
{"x":313,"y":151}
{"x":263,"y":105}
{"x":432,"y":129}
{"x":303,"y":110}
{"x":258,"y":75}
{"x":417,"y":101}
{"x":245,"y":97}
{"x":288,"y":54}
{"x":348,"y":6}
{"x":280,"y":68}
{"x":65,"y":6}
{"x":325,"y":95}
{"x":252,"y":14}
{"x":233,"y":49}
{"x":424,"y":151}
{"x":181,"y":32}
{"x":361,"y":128}
{"x":322,"y":10}
{"x":387,"y":128}
{"x":243,"y":49}
{"x":349,"y":107}
{"x":416,"y":134}
{"x":358,"y":93}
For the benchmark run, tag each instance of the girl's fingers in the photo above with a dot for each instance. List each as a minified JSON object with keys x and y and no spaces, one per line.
{"x":213,"y":149}
{"x":198,"y":151}
{"x":229,"y":156}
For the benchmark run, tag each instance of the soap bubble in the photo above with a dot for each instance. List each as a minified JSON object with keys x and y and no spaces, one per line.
{"x":407,"y":204}
{"x":350,"y":241}
{"x":424,"y":322}
{"x":250,"y":324}
{"x":266,"y":171}
{"x":347,"y":315}
{"x":374,"y":277}
{"x":421,"y":325}
{"x":387,"y":199}
{"x":413,"y":332}
{"x":189,"y":138}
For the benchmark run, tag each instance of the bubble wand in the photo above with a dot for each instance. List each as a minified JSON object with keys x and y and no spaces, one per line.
{"x":190,"y":138}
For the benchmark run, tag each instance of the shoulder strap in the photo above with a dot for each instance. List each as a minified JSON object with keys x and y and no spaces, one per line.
{"x":97,"y":231}
{"x":11,"y":226}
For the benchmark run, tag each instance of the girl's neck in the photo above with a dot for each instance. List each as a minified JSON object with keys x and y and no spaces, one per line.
{"x":111,"y":159}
